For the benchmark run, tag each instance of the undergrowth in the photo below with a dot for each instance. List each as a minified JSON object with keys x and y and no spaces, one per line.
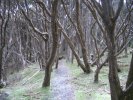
{"x":28,"y":86}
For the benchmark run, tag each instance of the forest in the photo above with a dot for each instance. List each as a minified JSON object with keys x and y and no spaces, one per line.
{"x":66,"y":49}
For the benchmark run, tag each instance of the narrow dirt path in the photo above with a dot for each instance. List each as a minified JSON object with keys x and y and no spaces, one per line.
{"x":61,"y":85}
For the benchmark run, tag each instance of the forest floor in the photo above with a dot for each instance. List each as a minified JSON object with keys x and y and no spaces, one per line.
{"x":68,"y":82}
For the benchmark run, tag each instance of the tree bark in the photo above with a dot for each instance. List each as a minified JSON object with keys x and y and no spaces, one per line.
{"x":74,"y":52}
{"x":1,"y":64}
{"x":115,"y":88}
{"x":57,"y":57}
{"x":109,"y":18}
{"x":48,"y":69}
{"x":129,"y":96}
{"x":71,"y":45}
{"x":96,"y":76}
{"x":82,"y":38}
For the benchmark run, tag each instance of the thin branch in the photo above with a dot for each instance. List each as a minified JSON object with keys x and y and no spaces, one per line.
{"x":71,"y":45}
{"x":98,"y":7}
{"x":42,"y":34}
{"x":122,"y":48}
{"x":95,"y":16}
{"x":43,"y":6}
{"x":41,"y":16}
{"x":128,"y":89}
{"x":118,"y":10}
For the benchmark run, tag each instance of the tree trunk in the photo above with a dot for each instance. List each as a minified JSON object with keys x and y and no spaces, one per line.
{"x":96,"y":77}
{"x":109,"y":18}
{"x":1,"y":65}
{"x":72,"y":58}
{"x":73,"y":51}
{"x":44,"y":54}
{"x":71,"y":45}
{"x":57,"y":57}
{"x":57,"y":63}
{"x":82,"y":38}
{"x":48,"y":69}
{"x":129,"y":96}
{"x":47,"y":77}
{"x":115,"y":88}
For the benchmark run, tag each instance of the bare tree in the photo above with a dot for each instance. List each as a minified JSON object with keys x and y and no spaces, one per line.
{"x":109,"y":18}
{"x":4,"y":19}
{"x":55,"y":43}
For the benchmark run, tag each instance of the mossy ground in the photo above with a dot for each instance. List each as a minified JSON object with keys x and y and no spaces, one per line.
{"x":68,"y":81}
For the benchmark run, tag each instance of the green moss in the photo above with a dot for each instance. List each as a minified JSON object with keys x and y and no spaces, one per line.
{"x":29,"y":87}
{"x":75,"y":70}
{"x":99,"y":96}
{"x":18,"y":93}
{"x":80,"y":95}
